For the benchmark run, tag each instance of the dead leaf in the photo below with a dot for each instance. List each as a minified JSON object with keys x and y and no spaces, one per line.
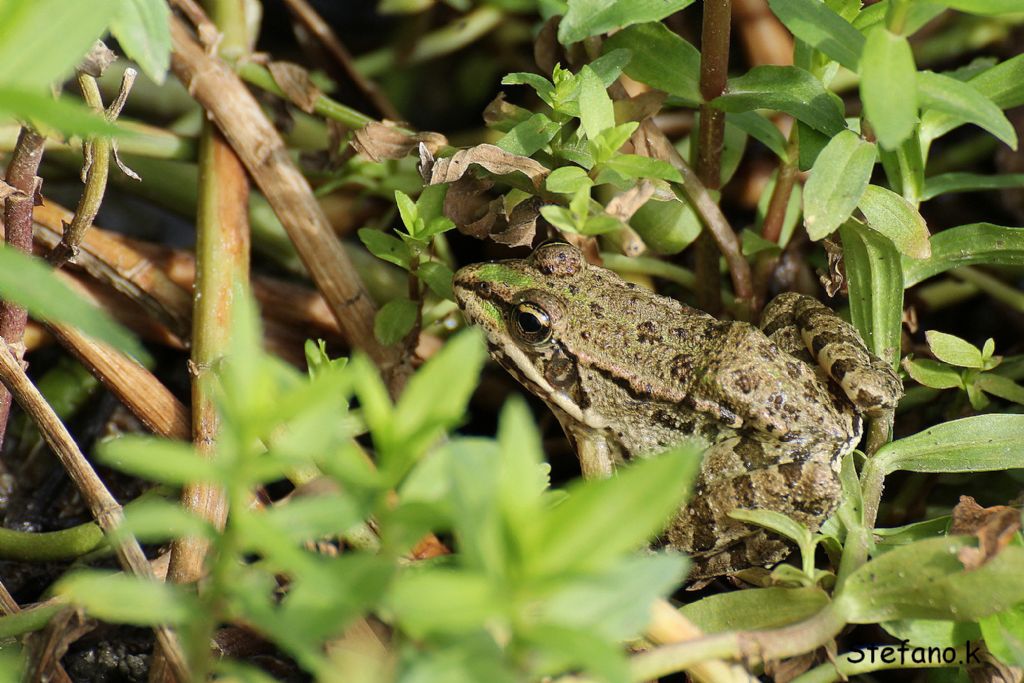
{"x":991,"y":670}
{"x":625,"y":204}
{"x":639,"y":107}
{"x":379,"y":141}
{"x":294,"y":81}
{"x":994,"y":526}
{"x":489,"y":157}
{"x":835,"y":279}
{"x":521,"y":224}
{"x":97,"y":60}
{"x":504,"y":116}
{"x":7,"y":190}
{"x":785,"y":670}
{"x":547,"y":51}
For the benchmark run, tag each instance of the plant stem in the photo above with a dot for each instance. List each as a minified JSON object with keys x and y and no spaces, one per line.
{"x":324,"y":106}
{"x":993,"y":286}
{"x":445,"y":40}
{"x":775,"y":216}
{"x":21,"y":175}
{"x":714,"y":70}
{"x":144,"y":140}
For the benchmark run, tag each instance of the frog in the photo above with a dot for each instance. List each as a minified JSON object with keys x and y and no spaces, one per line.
{"x":630,"y":373}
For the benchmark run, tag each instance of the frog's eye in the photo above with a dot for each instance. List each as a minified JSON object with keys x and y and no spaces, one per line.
{"x":531,"y":323}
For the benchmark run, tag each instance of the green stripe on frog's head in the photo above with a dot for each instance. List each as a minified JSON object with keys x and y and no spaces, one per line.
{"x":498,"y":272}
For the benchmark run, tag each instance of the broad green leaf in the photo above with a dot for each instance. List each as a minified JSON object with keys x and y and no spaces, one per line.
{"x":918,"y":13}
{"x":142,"y":29}
{"x":754,"y":609}
{"x":965,"y":245}
{"x":601,"y":224}
{"x":430,"y":203}
{"x":567,"y":180}
{"x":1004,"y":635}
{"x":761,"y":129}
{"x":51,"y":300}
{"x":582,"y":533}
{"x":896,"y":218}
{"x":969,"y":182}
{"x":818,"y":25}
{"x":386,"y":247}
{"x":541,"y":85}
{"x":837,"y":182}
{"x":784,"y":88}
{"x":591,"y":17}
{"x":965,"y":103}
{"x":973,"y":444}
{"x":438,"y":277}
{"x":954,"y":350}
{"x":661,"y":59}
{"x":666,"y":227}
{"x":932,"y":373}
{"x":42,"y":41}
{"x":395,"y":320}
{"x":560,"y":648}
{"x":160,"y":460}
{"x":775,"y":521}
{"x":616,"y":603}
{"x":63,"y":114}
{"x":443,"y":601}
{"x":524,"y":474}
{"x":436,"y":396}
{"x":529,"y":136}
{"x":888,"y":68}
{"x":559,"y":216}
{"x":933,"y":632}
{"x":596,"y":111}
{"x":753,"y":244}
{"x":310,"y":517}
{"x":123,"y":599}
{"x":876,"y":288}
{"x":985,"y":7}
{"x":926,"y":580}
{"x":609,"y":65}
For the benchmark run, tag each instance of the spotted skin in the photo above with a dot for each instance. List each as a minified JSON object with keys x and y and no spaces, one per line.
{"x":629,"y":373}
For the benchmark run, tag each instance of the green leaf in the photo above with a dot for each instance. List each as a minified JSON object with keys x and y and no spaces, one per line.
{"x":777,"y":522}
{"x":42,"y":41}
{"x":563,"y":648}
{"x":590,"y":17}
{"x":1003,"y":387}
{"x":666,"y":227}
{"x":1003,"y":83}
{"x":926,"y":580}
{"x":312,"y":517}
{"x":932,"y":373}
{"x":973,"y":444}
{"x":753,"y":244}
{"x":1004,"y":635}
{"x":63,"y":114}
{"x":965,"y":245}
{"x":168,"y":462}
{"x":123,"y":599}
{"x":395,"y":320}
{"x":954,"y":350}
{"x":596,"y":111}
{"x":947,"y":183}
{"x":761,"y":129}
{"x":443,"y":601}
{"x":524,"y":474}
{"x":436,"y":396}
{"x":609,"y":65}
{"x":888,"y":68}
{"x":818,"y":25}
{"x":837,"y":182}
{"x":560,"y":217}
{"x":896,"y":218}
{"x":754,"y":609}
{"x":407,"y":210}
{"x":984,"y":7}
{"x":965,"y":103}
{"x":51,"y":300}
{"x":605,"y":144}
{"x":153,"y":520}
{"x":784,"y":88}
{"x":875,"y":287}
{"x":582,"y":532}
{"x":567,"y":180}
{"x":529,"y":136}
{"x":635,"y":166}
{"x":601,"y":224}
{"x":142,"y":29}
{"x":438,"y":277}
{"x":386,"y":247}
{"x":661,"y":59}
{"x":430,"y":203}
{"x":542,"y":86}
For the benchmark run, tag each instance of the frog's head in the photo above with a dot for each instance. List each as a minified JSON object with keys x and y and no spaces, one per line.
{"x":525,"y":308}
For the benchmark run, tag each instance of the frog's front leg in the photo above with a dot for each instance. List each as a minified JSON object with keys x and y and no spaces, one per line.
{"x":869,"y":382}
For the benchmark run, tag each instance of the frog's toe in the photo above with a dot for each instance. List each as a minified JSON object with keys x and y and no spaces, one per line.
{"x":759,"y":549}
